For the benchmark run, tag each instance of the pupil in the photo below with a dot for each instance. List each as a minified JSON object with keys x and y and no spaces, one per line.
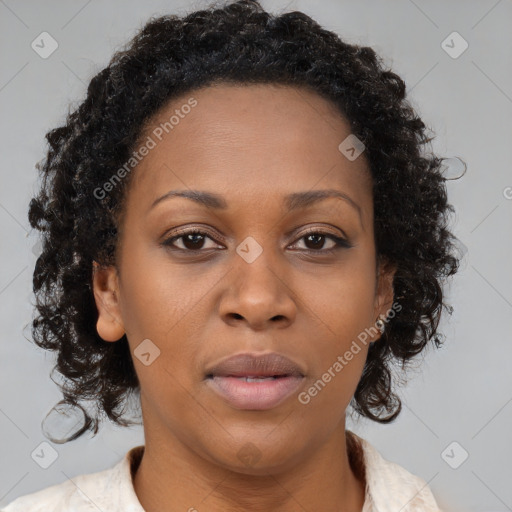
{"x":317,"y":237}
{"x":195,"y":239}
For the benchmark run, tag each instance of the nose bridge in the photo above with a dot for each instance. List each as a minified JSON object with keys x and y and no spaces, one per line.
{"x":257,"y":265}
{"x":258,"y":291}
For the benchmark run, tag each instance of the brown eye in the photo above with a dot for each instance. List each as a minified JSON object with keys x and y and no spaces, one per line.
{"x":192,"y":240}
{"x":315,"y":242}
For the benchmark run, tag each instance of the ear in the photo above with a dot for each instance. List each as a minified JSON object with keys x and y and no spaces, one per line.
{"x":106,"y":294}
{"x":384,"y":294}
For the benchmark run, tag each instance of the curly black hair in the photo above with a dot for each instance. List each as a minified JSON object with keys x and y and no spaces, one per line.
{"x":238,"y":43}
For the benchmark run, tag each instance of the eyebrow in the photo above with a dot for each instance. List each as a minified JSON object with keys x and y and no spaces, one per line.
{"x":292,"y":201}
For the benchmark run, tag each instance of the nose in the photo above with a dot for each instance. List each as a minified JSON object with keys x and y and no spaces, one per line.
{"x":258,"y":294}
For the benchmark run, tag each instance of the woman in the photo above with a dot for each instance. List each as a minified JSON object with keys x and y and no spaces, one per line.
{"x":241,"y":228}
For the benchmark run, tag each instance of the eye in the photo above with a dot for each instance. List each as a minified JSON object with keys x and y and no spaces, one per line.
{"x":316,"y":238}
{"x":191,"y":240}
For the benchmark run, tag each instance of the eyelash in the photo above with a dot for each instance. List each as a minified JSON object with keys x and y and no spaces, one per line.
{"x":341,"y":243}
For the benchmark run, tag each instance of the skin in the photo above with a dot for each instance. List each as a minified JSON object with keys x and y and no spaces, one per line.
{"x":253,"y":145}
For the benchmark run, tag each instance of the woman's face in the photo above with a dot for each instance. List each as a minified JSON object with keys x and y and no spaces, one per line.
{"x":261,"y":277}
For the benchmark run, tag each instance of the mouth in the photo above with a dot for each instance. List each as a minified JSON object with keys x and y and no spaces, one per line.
{"x":255,"y":382}
{"x":255,"y":393}
{"x":250,"y":378}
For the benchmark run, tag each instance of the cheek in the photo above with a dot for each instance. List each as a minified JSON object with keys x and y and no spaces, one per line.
{"x":165,"y":303}
{"x":343,"y":310}
{"x":337,"y":358}
{"x":343,"y":301}
{"x":155,"y":296}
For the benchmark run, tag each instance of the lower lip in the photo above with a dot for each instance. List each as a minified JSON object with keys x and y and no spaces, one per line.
{"x":258,"y":396}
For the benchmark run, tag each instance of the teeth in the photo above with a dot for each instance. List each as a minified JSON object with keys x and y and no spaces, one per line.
{"x":256,"y":379}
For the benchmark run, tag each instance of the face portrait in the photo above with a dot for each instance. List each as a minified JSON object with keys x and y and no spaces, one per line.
{"x":265,"y":264}
{"x":241,"y":240}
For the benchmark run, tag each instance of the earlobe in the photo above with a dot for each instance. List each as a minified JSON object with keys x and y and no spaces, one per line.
{"x":109,"y":325}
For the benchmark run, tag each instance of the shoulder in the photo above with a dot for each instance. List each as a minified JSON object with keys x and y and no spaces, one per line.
{"x":390,"y":486}
{"x":66,"y":496}
{"x":83,"y":493}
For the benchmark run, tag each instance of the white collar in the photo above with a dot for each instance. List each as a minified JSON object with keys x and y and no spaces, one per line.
{"x":389,"y":488}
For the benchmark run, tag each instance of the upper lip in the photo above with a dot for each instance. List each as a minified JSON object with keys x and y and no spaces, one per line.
{"x":255,"y":365}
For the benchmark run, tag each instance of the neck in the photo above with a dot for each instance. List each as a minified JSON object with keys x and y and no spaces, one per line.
{"x":172,"y":477}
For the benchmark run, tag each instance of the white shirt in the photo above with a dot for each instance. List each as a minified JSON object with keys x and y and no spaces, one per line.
{"x":389,"y":488}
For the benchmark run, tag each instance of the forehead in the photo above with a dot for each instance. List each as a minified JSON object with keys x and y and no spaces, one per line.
{"x":246,"y":143}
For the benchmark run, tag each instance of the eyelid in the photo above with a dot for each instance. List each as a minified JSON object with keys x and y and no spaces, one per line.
{"x":315,"y":229}
{"x":177,"y":232}
{"x":293,"y":232}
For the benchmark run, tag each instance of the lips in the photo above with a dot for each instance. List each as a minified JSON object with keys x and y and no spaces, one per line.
{"x":254,"y":365}
{"x":255,"y":382}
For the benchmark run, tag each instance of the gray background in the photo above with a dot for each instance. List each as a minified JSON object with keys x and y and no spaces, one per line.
{"x":461,"y":393}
